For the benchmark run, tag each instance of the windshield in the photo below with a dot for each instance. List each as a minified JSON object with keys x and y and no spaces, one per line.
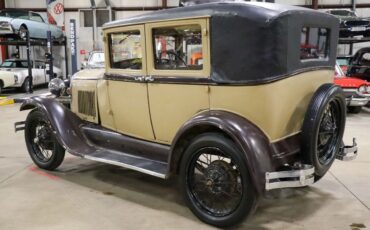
{"x":338,"y":71}
{"x":96,"y":59}
{"x":14,"y":14}
{"x":14,"y":64}
{"x":342,"y":62}
{"x":343,"y":13}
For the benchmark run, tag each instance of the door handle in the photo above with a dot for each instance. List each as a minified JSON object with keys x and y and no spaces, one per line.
{"x":149,"y":78}
{"x":140,"y":78}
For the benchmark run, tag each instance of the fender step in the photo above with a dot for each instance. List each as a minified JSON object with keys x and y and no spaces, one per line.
{"x":147,"y":166}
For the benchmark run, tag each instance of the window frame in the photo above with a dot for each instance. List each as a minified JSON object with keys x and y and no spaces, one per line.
{"x":36,"y":15}
{"x":135,"y":72}
{"x":203,"y":73}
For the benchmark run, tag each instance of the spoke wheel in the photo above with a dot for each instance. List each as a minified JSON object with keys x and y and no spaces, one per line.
{"x":328,"y":133}
{"x":42,"y":145}
{"x":323,"y":128}
{"x":215,"y":181}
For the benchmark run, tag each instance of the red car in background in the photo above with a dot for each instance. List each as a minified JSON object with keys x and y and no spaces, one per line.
{"x":357,"y":91}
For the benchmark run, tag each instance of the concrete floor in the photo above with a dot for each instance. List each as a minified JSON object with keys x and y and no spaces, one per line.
{"x":89,"y":195}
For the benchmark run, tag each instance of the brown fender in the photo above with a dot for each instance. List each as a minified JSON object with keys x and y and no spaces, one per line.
{"x":250,"y":139}
{"x":65,"y":123}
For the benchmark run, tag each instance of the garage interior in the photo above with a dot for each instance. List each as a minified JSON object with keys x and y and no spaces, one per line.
{"x":84,"y":194}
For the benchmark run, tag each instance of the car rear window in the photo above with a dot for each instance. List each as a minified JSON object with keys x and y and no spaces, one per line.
{"x":314,"y":43}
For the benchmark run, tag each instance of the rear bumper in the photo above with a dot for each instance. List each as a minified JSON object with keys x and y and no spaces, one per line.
{"x":302,"y":174}
{"x":290,"y":179}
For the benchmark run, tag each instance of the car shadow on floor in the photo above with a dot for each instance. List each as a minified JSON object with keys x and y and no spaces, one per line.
{"x":155,"y":193}
{"x":17,"y":92}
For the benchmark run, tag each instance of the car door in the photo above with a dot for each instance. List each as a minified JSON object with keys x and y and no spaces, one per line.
{"x":178,"y":66}
{"x":125,"y":73}
{"x":39,"y":71}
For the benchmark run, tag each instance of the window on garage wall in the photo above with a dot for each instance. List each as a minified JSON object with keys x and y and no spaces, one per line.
{"x":102,"y":16}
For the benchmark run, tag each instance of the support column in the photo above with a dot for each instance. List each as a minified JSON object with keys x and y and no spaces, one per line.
{"x":3,"y":49}
{"x":315,"y":4}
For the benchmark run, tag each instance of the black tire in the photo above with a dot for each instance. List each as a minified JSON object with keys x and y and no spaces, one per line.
{"x":354,"y":109}
{"x":26,"y":85}
{"x":46,"y":141}
{"x":244,"y":201}
{"x":323,"y":128}
{"x":22,"y":32}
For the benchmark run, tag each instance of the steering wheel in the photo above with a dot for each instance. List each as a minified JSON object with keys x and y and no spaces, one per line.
{"x":170,"y":61}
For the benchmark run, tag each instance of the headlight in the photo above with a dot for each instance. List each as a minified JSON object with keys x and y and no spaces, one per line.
{"x":57,"y":86}
{"x":15,"y":79}
{"x":368,"y":89}
{"x":4,"y":24}
{"x":362,"y":89}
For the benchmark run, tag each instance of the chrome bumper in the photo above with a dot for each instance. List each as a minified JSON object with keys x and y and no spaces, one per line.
{"x":348,"y":152}
{"x":304,"y":174}
{"x":354,"y":101}
{"x":290,"y":179}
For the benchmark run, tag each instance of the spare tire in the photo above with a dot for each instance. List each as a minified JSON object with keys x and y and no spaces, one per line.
{"x":323,"y":128}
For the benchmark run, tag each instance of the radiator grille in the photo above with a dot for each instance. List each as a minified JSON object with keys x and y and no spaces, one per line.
{"x":86,"y":103}
{"x":357,"y":23}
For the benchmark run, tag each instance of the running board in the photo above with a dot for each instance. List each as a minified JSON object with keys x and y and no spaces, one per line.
{"x":147,"y":166}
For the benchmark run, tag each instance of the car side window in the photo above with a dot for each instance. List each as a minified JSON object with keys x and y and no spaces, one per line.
{"x":178,"y":47}
{"x":314,"y":43}
{"x":125,"y":50}
{"x":36,"y":17}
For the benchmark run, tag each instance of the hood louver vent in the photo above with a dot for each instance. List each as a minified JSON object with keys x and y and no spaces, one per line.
{"x":86,"y":103}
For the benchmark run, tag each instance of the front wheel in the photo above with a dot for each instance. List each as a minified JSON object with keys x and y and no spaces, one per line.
{"x":26,"y":85}
{"x":22,"y":32}
{"x":42,"y":145}
{"x":215,"y":181}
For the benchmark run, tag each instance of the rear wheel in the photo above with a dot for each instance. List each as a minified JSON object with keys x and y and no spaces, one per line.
{"x":215,"y":181}
{"x":354,"y":109}
{"x":323,"y":128}
{"x":42,"y":145}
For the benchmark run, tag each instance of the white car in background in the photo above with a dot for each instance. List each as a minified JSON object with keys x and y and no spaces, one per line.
{"x":14,"y":74}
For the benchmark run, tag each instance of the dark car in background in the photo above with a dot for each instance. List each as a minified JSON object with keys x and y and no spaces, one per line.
{"x":351,"y":24}
{"x":359,"y":64}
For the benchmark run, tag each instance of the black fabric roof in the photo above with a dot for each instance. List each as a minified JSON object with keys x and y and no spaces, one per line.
{"x":257,"y":10}
{"x":252,"y":42}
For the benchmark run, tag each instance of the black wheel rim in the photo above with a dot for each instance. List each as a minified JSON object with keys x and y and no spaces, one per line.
{"x":214,"y":182}
{"x":328,"y":132}
{"x":42,"y":140}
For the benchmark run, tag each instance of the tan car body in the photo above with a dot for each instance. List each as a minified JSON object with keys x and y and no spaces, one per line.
{"x":156,"y":111}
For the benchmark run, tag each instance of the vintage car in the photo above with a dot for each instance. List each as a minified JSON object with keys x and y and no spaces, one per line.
{"x":359,"y":64}
{"x":16,"y":23}
{"x":250,"y":114}
{"x":356,"y":91}
{"x":96,"y":60}
{"x":14,"y":74}
{"x":350,"y":23}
